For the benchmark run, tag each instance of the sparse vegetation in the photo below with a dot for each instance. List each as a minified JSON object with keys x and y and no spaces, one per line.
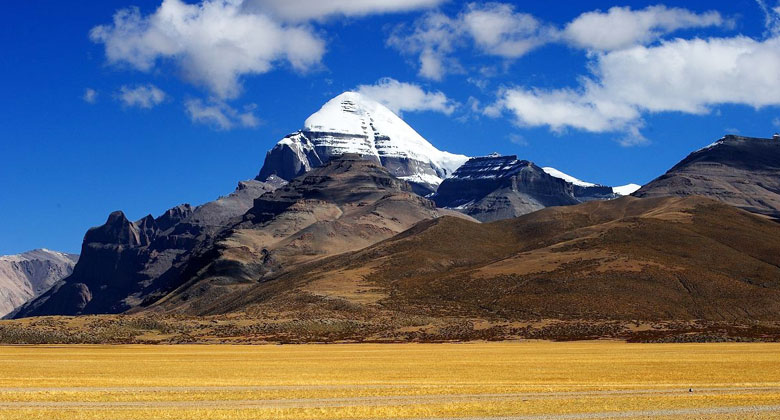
{"x":333,"y":327}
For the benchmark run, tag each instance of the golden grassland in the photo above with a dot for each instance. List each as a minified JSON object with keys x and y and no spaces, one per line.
{"x":523,"y":380}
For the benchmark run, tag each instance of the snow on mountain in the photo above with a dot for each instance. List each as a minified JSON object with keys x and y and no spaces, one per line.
{"x":493,"y":166}
{"x":354,"y":123}
{"x":627,"y":189}
{"x":30,"y":274}
{"x":568,"y":178}
{"x":387,"y":135}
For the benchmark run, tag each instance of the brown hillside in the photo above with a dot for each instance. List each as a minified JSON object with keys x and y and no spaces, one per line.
{"x":661,"y":258}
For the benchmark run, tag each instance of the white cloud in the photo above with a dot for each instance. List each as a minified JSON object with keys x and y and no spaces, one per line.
{"x":214,"y":43}
{"x":492,"y":28}
{"x":776,"y":122}
{"x":621,"y":27}
{"x":143,"y":96}
{"x":90,"y":96}
{"x":564,"y":108}
{"x":689,"y":76}
{"x":299,"y":10}
{"x":517,"y":139}
{"x":433,"y":37}
{"x":400,"y":97}
{"x":496,"y":29}
{"x":220,"y":115}
{"x":771,"y":17}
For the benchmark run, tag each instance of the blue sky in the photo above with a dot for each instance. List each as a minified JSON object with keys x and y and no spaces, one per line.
{"x":177,"y":103}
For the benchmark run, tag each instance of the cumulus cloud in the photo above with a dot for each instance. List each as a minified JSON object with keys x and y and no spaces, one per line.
{"x":400,"y":97}
{"x":299,"y":10}
{"x":220,"y":115}
{"x":90,"y":96}
{"x":214,"y":43}
{"x":492,"y":28}
{"x":688,"y":76}
{"x":497,"y":29}
{"x":621,"y":27}
{"x":142,"y":96}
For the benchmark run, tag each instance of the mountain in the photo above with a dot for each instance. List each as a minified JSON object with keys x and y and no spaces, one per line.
{"x":353,"y":123}
{"x":653,"y":259}
{"x":622,"y":190}
{"x":30,"y":274}
{"x":740,"y":171}
{"x":345,"y":205}
{"x":498,"y":187}
{"x":122,"y":262}
{"x":125,"y":264}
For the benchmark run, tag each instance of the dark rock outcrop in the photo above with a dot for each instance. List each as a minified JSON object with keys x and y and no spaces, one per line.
{"x":499,"y":187}
{"x":123,"y":263}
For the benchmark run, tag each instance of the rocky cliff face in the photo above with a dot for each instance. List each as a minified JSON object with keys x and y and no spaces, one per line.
{"x":353,"y":123}
{"x":124,"y":262}
{"x":740,"y":171}
{"x":500,"y":187}
{"x":30,"y":274}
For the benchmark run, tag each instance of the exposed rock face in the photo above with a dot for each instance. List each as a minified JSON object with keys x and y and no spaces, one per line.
{"x":500,"y":187}
{"x":740,"y":171}
{"x":345,"y":205}
{"x":353,"y":123}
{"x":30,"y":274}
{"x":123,"y":262}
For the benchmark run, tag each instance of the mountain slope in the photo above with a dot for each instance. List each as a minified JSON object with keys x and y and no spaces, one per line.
{"x":345,"y":205}
{"x":123,"y":262}
{"x":740,"y":171}
{"x":647,"y":259}
{"x":30,"y":274}
{"x":499,"y":187}
{"x":353,"y":123}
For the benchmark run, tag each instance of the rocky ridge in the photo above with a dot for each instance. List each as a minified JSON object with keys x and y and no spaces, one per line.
{"x":28,"y":275}
{"x":123,"y":262}
{"x":499,"y":187}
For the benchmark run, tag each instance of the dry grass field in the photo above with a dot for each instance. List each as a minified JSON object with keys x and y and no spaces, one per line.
{"x":509,"y":380}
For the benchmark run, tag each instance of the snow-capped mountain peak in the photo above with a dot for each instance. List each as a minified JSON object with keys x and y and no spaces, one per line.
{"x":353,"y":123}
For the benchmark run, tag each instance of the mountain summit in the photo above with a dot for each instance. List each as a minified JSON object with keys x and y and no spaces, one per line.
{"x":354,"y":123}
{"x":740,"y":171}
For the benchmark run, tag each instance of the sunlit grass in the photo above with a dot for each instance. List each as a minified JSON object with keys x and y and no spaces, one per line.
{"x":383,"y":380}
